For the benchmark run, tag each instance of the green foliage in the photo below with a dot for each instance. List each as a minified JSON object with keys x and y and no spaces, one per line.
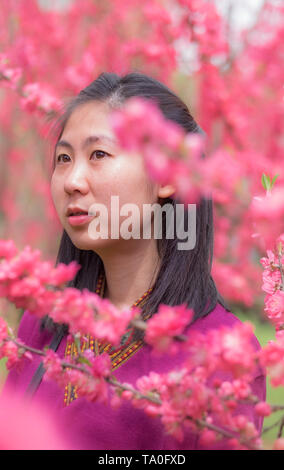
{"x":266,"y":181}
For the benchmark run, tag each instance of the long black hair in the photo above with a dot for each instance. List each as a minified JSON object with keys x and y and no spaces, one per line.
{"x":184,"y":275}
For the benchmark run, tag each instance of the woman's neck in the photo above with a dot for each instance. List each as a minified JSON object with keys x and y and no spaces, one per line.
{"x":130,"y":272}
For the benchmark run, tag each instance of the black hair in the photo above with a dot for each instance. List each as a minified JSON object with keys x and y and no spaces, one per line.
{"x":184,"y":275}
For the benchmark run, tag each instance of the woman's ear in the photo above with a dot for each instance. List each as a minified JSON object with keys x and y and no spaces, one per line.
{"x":166,"y":191}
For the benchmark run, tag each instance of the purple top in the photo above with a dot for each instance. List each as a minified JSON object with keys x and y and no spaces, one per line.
{"x":97,"y":426}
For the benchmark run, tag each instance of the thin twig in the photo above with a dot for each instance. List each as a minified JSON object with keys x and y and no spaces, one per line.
{"x":129,"y":388}
{"x":223,"y":432}
{"x":41,"y":353}
{"x":139,"y":395}
{"x":142,"y":325}
{"x":281,"y":272}
{"x":281,"y":427}
{"x":268,"y":428}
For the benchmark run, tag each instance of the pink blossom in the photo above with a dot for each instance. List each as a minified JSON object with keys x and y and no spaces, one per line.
{"x":271,"y":281}
{"x":43,"y":271}
{"x":199,"y":352}
{"x":229,"y":344}
{"x":127,"y":395}
{"x":27,"y":426}
{"x":274,"y":306}
{"x":92,"y":386}
{"x":115,"y":401}
{"x":10,"y":350}
{"x":29,"y":286}
{"x":7,"y":249}
{"x":222,"y":349}
{"x":53,"y":367}
{"x":271,"y":356}
{"x":3,"y":330}
{"x":23,"y":264}
{"x":39,"y":97}
{"x":165,"y":324}
{"x":230,"y":98}
{"x":272,"y":205}
{"x":241,"y":422}
{"x":263,"y":409}
{"x":157,"y":165}
{"x":187,"y":182}
{"x":278,"y":444}
{"x":226,"y":389}
{"x":153,"y":381}
{"x":241,"y":389}
{"x":133,"y":115}
{"x":68,"y":309}
{"x":101,"y":366}
{"x":111,"y":323}
{"x":9,"y":75}
{"x":207,"y":437}
{"x":63,"y":273}
{"x":221,"y":174}
{"x":94,"y":389}
{"x":270,"y":261}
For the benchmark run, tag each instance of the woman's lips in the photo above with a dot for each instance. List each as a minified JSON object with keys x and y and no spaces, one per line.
{"x":79,"y":219}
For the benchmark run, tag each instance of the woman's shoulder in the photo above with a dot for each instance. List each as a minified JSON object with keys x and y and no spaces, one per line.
{"x":30,"y":331}
{"x":217,"y":318}
{"x":220,"y":317}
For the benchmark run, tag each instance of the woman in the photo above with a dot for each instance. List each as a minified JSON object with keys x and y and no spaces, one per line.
{"x":89,"y":168}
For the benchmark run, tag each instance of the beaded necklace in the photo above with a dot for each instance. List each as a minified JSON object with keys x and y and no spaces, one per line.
{"x":118,"y":355}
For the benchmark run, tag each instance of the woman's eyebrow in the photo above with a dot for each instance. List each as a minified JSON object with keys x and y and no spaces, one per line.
{"x":92,"y":139}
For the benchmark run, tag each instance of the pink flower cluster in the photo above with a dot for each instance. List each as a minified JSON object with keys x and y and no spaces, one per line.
{"x":24,"y":279}
{"x":172,"y":156}
{"x":87,"y":313}
{"x":219,"y":350}
{"x":8,"y":349}
{"x":187,"y":402}
{"x":198,"y":393}
{"x":28,"y":425}
{"x":167,"y":323}
{"x":204,"y":25}
{"x":273,"y":284}
{"x":9,"y":75}
{"x":231,"y":94}
{"x":40,"y":99}
{"x":89,"y":380}
{"x":3,"y":330}
{"x":272,"y":357}
{"x":160,"y":142}
{"x":186,"y":397}
{"x":228,"y":93}
{"x":35,"y":285}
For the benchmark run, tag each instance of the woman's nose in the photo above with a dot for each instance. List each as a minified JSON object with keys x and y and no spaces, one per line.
{"x":77,"y":179}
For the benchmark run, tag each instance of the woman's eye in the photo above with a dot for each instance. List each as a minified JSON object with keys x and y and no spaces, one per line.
{"x":100,"y":154}
{"x":61,"y":155}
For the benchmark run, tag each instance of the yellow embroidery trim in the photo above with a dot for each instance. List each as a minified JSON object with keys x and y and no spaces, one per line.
{"x":118,"y":357}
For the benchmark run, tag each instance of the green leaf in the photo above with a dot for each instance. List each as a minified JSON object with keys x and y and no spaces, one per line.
{"x":274,"y":179}
{"x":266,"y":183}
{"x":264,"y":180}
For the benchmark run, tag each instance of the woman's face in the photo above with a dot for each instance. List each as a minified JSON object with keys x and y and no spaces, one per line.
{"x":89,"y":171}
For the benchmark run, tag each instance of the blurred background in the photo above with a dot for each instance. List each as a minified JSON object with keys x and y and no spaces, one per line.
{"x":222,"y":57}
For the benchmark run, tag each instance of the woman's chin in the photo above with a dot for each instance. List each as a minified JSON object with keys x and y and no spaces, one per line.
{"x":87,"y":243}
